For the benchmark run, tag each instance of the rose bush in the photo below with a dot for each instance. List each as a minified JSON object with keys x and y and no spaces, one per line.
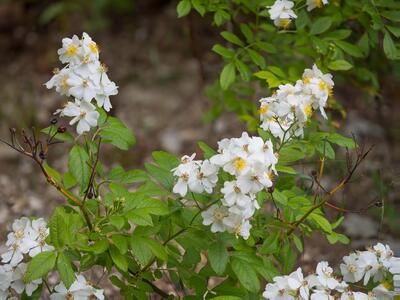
{"x":225,"y":225}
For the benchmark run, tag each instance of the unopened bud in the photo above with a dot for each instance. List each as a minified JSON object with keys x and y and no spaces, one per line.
{"x":42,"y":155}
{"x":313,"y":173}
{"x":54,"y":121}
{"x":271,"y":189}
{"x":90,"y":195}
{"x":62,"y":129}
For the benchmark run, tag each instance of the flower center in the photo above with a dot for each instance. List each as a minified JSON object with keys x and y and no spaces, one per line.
{"x":264,"y":109}
{"x":82,"y":114}
{"x":69,"y":296}
{"x":308,"y":111}
{"x":185,"y":177}
{"x":239,"y":163}
{"x":323,"y":86}
{"x":284,"y":23}
{"x":71,"y":50}
{"x":318,"y":3}
{"x":93,"y":48}
{"x":219,"y":215}
{"x":19,"y":234}
{"x":236,"y":189}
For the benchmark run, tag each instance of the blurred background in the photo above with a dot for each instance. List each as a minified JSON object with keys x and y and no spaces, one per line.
{"x":163,"y":66}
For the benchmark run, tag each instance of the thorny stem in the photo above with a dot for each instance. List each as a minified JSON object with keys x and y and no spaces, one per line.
{"x":34,"y":145}
{"x":361,"y":156}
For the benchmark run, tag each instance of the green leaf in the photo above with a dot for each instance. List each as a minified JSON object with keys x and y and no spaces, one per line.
{"x":393,"y":15}
{"x":140,"y":250}
{"x":322,"y":222}
{"x":257,"y":58}
{"x":117,"y":221}
{"x":341,"y":140}
{"x":139,"y":218}
{"x":199,"y":7}
{"x":246,"y":31}
{"x":116,"y":133}
{"x":226,"y":298}
{"x":232,"y":38}
{"x":121,"y":242}
{"x":320,"y":25}
{"x":340,"y":34}
{"x":351,"y":49}
{"x":285,"y":169}
{"x":118,"y":258}
{"x":228,"y":76}
{"x":224,"y":52}
{"x":165,"y":160}
{"x":243,"y":69}
{"x":218,"y":257}
{"x":125,"y":177}
{"x":183,"y":8}
{"x":298,"y":243}
{"x":78,"y":165}
{"x":52,"y":172}
{"x":340,"y":65}
{"x":40,"y":265}
{"x":271,"y":78}
{"x":389,"y":47}
{"x":394,"y":30}
{"x":64,"y":268}
{"x":52,"y":130}
{"x":207,"y":150}
{"x":246,"y":275}
{"x":157,"y":249}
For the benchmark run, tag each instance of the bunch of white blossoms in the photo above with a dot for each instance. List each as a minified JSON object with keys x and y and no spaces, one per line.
{"x":251,"y":163}
{"x":85,"y":79}
{"x":26,"y":240}
{"x":281,"y":12}
{"x":324,"y":285}
{"x":286,"y":112}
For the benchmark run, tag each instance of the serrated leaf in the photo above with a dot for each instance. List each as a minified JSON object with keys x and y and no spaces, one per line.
{"x":65,"y":270}
{"x":40,"y":265}
{"x":78,"y":165}
{"x":218,"y":257}
{"x":118,"y":258}
{"x":140,"y":250}
{"x":207,"y":150}
{"x":245,"y":274}
{"x":389,"y":47}
{"x":121,"y":242}
{"x":116,"y":133}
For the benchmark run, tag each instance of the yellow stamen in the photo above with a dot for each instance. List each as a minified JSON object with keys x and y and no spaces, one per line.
{"x":306,"y":80}
{"x":318,"y":3}
{"x":239,"y":164}
{"x":264,"y":109}
{"x":322,"y":85}
{"x":71,"y":50}
{"x":93,"y":48}
{"x":308,"y":110}
{"x":284,"y":23}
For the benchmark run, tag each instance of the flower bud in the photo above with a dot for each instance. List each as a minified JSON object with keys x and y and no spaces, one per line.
{"x":62,"y":129}
{"x":54,"y":121}
{"x":271,"y":189}
{"x":42,"y":155}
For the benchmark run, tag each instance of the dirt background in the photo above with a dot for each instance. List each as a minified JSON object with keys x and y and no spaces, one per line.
{"x":162,"y":65}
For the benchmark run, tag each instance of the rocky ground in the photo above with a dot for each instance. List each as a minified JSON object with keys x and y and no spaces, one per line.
{"x":162,"y":99}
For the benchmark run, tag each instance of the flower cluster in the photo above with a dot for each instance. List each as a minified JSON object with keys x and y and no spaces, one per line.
{"x":249,"y":161}
{"x":375,"y":263}
{"x":286,"y":112}
{"x":85,"y":79}
{"x":79,"y":289}
{"x":281,"y":12}
{"x":26,"y":240}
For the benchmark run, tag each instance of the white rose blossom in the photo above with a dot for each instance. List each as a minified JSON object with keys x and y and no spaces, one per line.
{"x":357,"y":267}
{"x":84,"y":78}
{"x":286,"y":112}
{"x":250,"y":160}
{"x":281,"y":13}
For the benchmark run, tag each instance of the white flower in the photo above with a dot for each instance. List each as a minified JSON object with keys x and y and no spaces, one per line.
{"x":6,"y":273}
{"x":236,"y":224}
{"x":89,"y":47}
{"x":325,"y":276}
{"x":106,"y":89}
{"x":60,"y":81}
{"x":18,"y":242}
{"x":349,"y":295}
{"x":79,"y":290}
{"x":369,"y":263}
{"x":381,"y":292}
{"x":321,"y":295}
{"x":233,"y":195}
{"x":18,"y":284}
{"x":311,"y":4}
{"x":350,"y":269}
{"x":296,"y":281}
{"x":81,"y":87}
{"x":215,"y":216}
{"x":70,"y":51}
{"x":39,"y":234}
{"x":186,"y":172}
{"x":279,"y":290}
{"x":281,"y":13}
{"x":82,"y":112}
{"x":205,"y":179}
